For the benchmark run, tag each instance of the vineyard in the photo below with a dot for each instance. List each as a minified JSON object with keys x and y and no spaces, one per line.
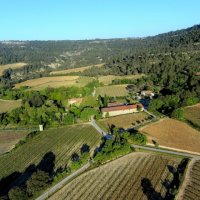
{"x":124,"y":121}
{"x":62,"y":142}
{"x":125,"y":178}
{"x":192,"y":190}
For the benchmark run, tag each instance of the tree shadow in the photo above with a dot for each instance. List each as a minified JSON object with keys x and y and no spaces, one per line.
{"x":19,"y":179}
{"x":149,"y":191}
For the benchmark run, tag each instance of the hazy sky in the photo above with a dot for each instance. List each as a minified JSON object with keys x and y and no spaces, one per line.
{"x":88,"y":19}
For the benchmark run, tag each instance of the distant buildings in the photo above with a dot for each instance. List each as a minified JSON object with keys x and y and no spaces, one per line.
{"x":121,"y":109}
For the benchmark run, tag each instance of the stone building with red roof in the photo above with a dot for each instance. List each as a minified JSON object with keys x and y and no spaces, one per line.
{"x":121,"y":109}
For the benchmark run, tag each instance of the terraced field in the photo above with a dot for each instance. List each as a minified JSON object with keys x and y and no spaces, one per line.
{"x":113,"y":90}
{"x":192,"y":190}
{"x":62,"y":142}
{"x":135,"y":176}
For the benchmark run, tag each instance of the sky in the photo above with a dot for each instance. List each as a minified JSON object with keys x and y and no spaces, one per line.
{"x":90,"y":19}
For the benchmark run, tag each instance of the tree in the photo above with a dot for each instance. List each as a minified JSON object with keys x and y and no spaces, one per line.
{"x":17,"y":193}
{"x":75,"y":157}
{"x":85,"y":149}
{"x":37,"y":182}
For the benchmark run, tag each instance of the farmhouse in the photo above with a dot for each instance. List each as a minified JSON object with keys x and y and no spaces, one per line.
{"x":121,"y":109}
{"x":76,"y":101}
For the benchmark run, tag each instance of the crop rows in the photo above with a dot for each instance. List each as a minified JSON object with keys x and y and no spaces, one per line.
{"x":192,"y":191}
{"x":61,"y":142}
{"x":121,"y":179}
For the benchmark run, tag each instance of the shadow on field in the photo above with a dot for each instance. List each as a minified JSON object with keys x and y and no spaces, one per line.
{"x":18,"y":179}
{"x":149,"y":191}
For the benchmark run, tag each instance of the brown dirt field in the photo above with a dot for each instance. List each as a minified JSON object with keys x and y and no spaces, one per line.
{"x":8,"y":105}
{"x":12,"y":66}
{"x":123,"y":121}
{"x":57,"y":81}
{"x":8,"y":139}
{"x":79,"y":69}
{"x":112,"y":90}
{"x":173,"y":133}
{"x":122,"y":179}
{"x":192,"y":113}
{"x":106,"y":80}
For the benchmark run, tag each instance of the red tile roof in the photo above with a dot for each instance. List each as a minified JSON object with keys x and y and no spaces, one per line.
{"x":123,"y":107}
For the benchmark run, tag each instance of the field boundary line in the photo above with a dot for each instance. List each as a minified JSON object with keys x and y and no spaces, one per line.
{"x":178,"y":153}
{"x":176,"y":150}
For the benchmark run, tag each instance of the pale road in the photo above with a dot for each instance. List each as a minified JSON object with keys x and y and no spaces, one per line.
{"x":62,"y":183}
{"x":166,"y":151}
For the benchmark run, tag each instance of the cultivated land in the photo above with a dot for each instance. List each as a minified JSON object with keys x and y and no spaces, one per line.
{"x":173,"y":133}
{"x":8,"y":105}
{"x":192,"y":191}
{"x":124,"y":121}
{"x":112,"y":91}
{"x":55,"y":81}
{"x":124,"y":179}
{"x":62,"y":142}
{"x":12,"y":66}
{"x":8,"y":139}
{"x":79,"y":69}
{"x":106,"y":80}
{"x":192,"y":114}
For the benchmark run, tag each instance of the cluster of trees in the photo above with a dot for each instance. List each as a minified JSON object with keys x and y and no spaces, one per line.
{"x":119,"y":144}
{"x":48,"y":106}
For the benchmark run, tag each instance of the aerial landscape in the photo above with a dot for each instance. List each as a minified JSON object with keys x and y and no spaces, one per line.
{"x":100,"y":100}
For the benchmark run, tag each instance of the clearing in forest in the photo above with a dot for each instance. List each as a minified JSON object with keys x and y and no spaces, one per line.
{"x":173,"y":133}
{"x":125,"y":178}
{"x":106,"y":80}
{"x":79,"y":69}
{"x":55,"y":81}
{"x":12,"y":66}
{"x":113,"y":91}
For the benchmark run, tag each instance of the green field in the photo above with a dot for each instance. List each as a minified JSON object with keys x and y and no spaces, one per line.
{"x":62,"y":142}
{"x":125,"y":179}
{"x":8,"y":105}
{"x":113,"y":90}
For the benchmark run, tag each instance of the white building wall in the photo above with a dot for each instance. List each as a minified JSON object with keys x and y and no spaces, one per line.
{"x":119,"y":112}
